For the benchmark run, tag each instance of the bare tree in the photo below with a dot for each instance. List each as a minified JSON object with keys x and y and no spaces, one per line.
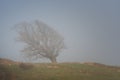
{"x":40,"y":40}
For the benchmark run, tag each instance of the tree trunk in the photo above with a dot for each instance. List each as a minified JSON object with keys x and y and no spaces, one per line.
{"x":53,"y":60}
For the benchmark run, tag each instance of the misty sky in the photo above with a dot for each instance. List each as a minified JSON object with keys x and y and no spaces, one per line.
{"x":91,"y":28}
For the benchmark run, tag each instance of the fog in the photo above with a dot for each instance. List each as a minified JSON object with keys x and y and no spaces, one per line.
{"x":90,"y":28}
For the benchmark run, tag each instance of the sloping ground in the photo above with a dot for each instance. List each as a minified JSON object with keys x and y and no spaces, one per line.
{"x":7,"y":61}
{"x":61,"y":71}
{"x":102,"y":65}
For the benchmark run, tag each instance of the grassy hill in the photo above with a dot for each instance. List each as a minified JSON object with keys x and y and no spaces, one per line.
{"x":10,"y":70}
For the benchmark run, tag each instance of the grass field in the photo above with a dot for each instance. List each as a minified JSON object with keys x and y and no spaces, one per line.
{"x":61,"y":71}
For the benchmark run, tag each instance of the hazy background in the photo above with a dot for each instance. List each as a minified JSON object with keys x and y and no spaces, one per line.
{"x":91,"y":28}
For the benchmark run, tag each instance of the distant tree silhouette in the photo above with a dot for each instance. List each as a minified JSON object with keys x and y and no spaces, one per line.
{"x":41,"y":40}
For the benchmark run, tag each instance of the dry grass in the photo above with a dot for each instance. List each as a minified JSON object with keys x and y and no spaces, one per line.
{"x":61,"y":71}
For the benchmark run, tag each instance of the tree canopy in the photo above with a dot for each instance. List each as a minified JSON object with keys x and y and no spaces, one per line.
{"x":40,"y":40}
